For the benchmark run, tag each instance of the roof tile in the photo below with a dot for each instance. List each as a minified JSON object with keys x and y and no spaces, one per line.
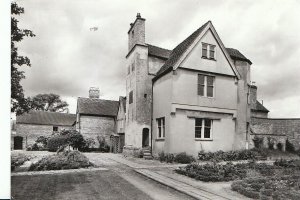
{"x":92,"y":106}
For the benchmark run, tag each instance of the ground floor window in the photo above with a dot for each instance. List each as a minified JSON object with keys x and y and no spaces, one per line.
{"x":160,"y":127}
{"x":203,"y":128}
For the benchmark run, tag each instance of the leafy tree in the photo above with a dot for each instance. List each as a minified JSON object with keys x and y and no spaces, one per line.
{"x":48,"y":102}
{"x":19,"y":103}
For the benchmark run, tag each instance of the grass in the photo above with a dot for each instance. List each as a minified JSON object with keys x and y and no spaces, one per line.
{"x":83,"y":185}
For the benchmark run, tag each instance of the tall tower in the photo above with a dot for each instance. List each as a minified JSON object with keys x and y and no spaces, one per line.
{"x":138,"y":87}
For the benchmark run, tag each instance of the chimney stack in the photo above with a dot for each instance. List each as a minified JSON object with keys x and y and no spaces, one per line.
{"x":136,"y":33}
{"x":94,"y":93}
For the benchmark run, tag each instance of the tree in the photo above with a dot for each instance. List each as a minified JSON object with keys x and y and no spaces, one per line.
{"x":48,"y":102}
{"x":19,"y":103}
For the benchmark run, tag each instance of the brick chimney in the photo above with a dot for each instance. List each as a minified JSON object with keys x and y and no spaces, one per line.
{"x":253,"y":94}
{"x":136,"y":33}
{"x":94,"y":93}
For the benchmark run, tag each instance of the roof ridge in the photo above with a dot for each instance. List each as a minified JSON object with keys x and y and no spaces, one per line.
{"x":179,"y":50}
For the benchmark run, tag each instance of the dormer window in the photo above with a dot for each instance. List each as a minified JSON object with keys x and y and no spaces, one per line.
{"x":208,"y":51}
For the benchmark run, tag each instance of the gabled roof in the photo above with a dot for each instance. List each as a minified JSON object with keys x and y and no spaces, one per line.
{"x":237,"y":55}
{"x":47,"y":118}
{"x":158,"y":52}
{"x":93,"y":106}
{"x":258,"y":107}
{"x":178,"y":51}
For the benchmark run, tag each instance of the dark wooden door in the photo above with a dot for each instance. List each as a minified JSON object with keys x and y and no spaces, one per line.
{"x":18,"y":142}
{"x":145,"y":139}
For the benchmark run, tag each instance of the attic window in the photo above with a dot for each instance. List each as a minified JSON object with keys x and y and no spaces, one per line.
{"x":208,"y":51}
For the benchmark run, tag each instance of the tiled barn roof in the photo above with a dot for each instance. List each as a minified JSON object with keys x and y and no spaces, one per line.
{"x":237,"y":55}
{"x":101,"y":107}
{"x":158,"y":52}
{"x":259,"y":107}
{"x":47,"y":118}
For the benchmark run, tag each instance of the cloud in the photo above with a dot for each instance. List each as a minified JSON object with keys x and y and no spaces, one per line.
{"x":67,"y":58}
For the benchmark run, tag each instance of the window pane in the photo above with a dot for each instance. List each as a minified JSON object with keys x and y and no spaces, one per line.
{"x":210,"y":91}
{"x":197,"y":134}
{"x":159,"y":122}
{"x":211,"y":54}
{"x":207,"y":122}
{"x":210,"y":80}
{"x":204,"y":46}
{"x":206,"y":132}
{"x":198,"y":122}
{"x":212,"y":47}
{"x":201,"y":90}
{"x":159,"y":132}
{"x":204,"y":53}
{"x":201,"y":79}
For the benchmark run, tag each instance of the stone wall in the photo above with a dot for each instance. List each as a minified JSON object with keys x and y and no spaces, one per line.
{"x":92,"y":126}
{"x":277,"y":129}
{"x":30,"y":132}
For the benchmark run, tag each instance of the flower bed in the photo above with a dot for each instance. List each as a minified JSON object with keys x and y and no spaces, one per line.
{"x":178,"y":158}
{"x":282,"y":187}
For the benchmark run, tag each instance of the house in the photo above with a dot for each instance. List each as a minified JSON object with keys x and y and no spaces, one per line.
{"x":30,"y":126}
{"x":195,"y":97}
{"x":96,"y":117}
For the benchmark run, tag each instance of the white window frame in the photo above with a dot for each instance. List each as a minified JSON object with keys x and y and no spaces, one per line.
{"x":203,"y":128}
{"x":206,"y":86}
{"x":209,"y":48}
{"x":161,"y":131}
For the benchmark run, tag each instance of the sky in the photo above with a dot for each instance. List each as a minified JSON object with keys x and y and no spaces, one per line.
{"x":68,"y":57}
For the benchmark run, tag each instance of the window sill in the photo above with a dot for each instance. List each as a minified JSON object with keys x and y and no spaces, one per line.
{"x":206,"y":97}
{"x":208,"y":58}
{"x":203,"y":139}
{"x":160,"y":139}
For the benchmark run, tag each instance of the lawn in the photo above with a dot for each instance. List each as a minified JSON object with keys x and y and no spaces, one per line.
{"x":92,"y":185}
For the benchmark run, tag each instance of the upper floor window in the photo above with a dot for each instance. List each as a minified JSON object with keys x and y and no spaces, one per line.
{"x":208,"y":51}
{"x":160,"y":127}
{"x":203,"y":128}
{"x":130,"y":97}
{"x":205,"y":85}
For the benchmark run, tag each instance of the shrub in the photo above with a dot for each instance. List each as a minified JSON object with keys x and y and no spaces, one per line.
{"x":166,"y":157}
{"x":18,"y":160}
{"x":228,"y":156}
{"x":289,"y":146}
{"x":43,"y":140}
{"x":56,"y":141}
{"x":65,"y":160}
{"x":138,"y":153}
{"x":103,"y":146}
{"x":288,"y":163}
{"x":213,"y":172}
{"x":258,"y":142}
{"x":184,"y":158}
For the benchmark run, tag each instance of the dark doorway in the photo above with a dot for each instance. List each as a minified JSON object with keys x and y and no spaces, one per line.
{"x":145,"y":139}
{"x":122,"y":142}
{"x":18,"y":142}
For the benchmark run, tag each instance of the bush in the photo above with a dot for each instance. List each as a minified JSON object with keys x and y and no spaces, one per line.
{"x":289,"y":146}
{"x":184,"y":158}
{"x":56,"y":142}
{"x":258,"y":142}
{"x":228,"y":156}
{"x":65,"y":160}
{"x":288,"y":163}
{"x":213,"y":172}
{"x":166,"y":157}
{"x":103,"y":145}
{"x":18,"y":160}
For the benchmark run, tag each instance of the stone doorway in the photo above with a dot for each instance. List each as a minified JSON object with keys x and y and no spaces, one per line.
{"x":145,"y":139}
{"x":18,"y":142}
